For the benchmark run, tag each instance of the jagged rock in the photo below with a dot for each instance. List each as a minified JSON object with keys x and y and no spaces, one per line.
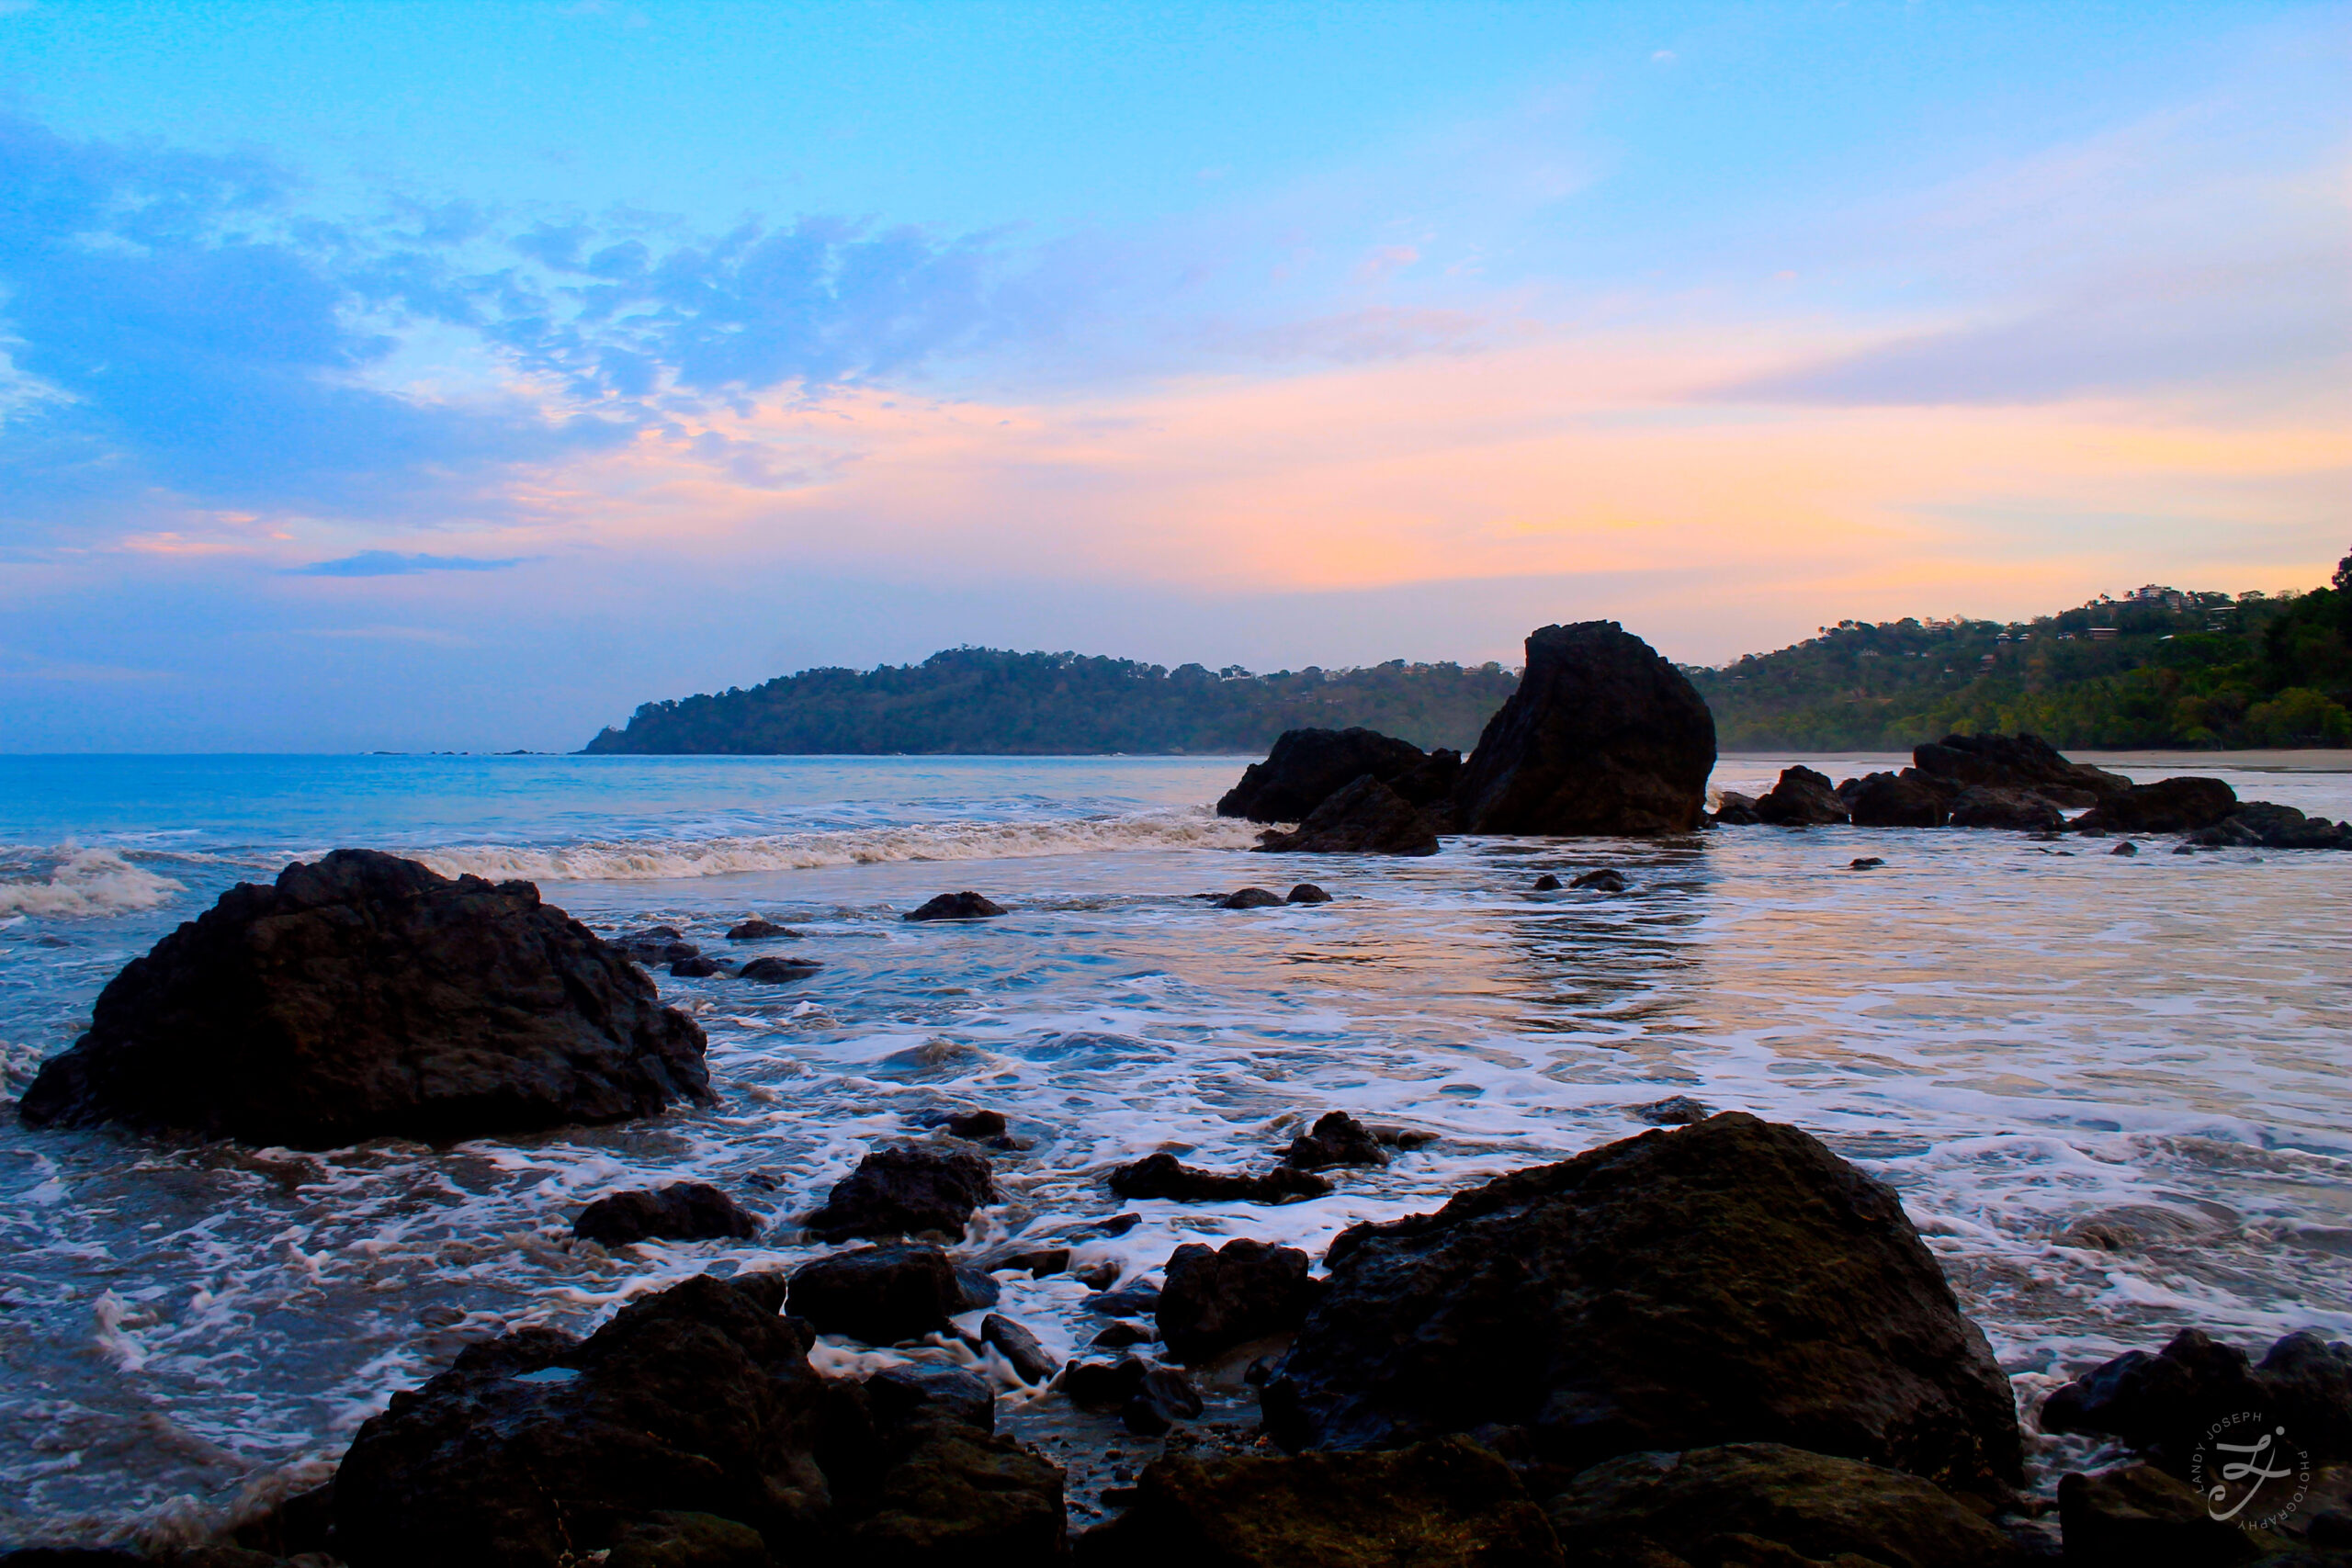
{"x":1889,"y":800}
{"x":1602,"y":736}
{"x":2159,"y":1404}
{"x":756,"y":930}
{"x":1547,"y":883}
{"x":683,"y":1210}
{"x":1164,"y":1397}
{"x":779,"y":971}
{"x":1307,"y":767}
{"x":907,"y":1188}
{"x":2168,"y":805}
{"x":1162,"y":1176}
{"x":2139,"y":1516}
{"x":1732,"y":1281}
{"x":926,"y":1481}
{"x":1251,"y":899}
{"x":1812,"y":1507}
{"x":1447,"y":1503}
{"x":682,"y":1540}
{"x":2013,"y":762}
{"x":964,"y":905}
{"x":1801,"y":797}
{"x":2258,"y":824}
{"x":1987,"y":805}
{"x":1601,"y":881}
{"x":363,"y":995}
{"x":1021,"y":1349}
{"x":973,"y":1126}
{"x":1337,"y":1138}
{"x":536,"y":1446}
{"x":1364,"y":818}
{"x":696,"y":969}
{"x":1679,"y":1110}
{"x":883,"y":1295}
{"x":1243,"y":1290}
{"x":1734,"y":809}
{"x":1307,"y":892}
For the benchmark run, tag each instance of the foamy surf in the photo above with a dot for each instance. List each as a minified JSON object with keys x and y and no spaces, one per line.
{"x":653,"y":860}
{"x":85,"y":883}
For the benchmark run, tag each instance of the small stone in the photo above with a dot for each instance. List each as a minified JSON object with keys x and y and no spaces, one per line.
{"x":2126,"y":848}
{"x":1136,"y":1300}
{"x":1865,"y":862}
{"x":1119,"y":1336}
{"x":964,"y":905}
{"x":1601,"y":881}
{"x":1251,"y":899}
{"x":756,"y":930}
{"x":1041,"y":1262}
{"x":1679,"y":1111}
{"x":1547,"y":883}
{"x":1020,"y":1348}
{"x":1307,"y":892}
{"x":779,"y":971}
{"x":694,"y":969}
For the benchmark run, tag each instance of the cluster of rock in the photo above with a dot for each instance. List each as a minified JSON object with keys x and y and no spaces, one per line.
{"x":667,"y":944}
{"x":2021,"y":782}
{"x":1602,"y":736}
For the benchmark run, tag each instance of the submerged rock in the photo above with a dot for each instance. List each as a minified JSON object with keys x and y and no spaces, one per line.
{"x":1162,"y":1175}
{"x":1986,"y":805}
{"x":1602,"y":736}
{"x":964,"y":905}
{"x":1801,"y":797}
{"x":2161,"y":1404}
{"x":1447,"y":1503}
{"x":1251,"y":899}
{"x":1865,"y":862}
{"x":1307,"y":892}
{"x":1337,"y":1138}
{"x":2168,"y":805}
{"x":1813,"y":1508}
{"x":907,"y":1188}
{"x":883,"y":1295}
{"x":364,"y":995}
{"x":1243,"y":1290}
{"x":1733,"y":1281}
{"x":1364,"y":818}
{"x":1307,"y":767}
{"x":683,"y":1210}
{"x":779,"y":971}
{"x":1679,"y":1110}
{"x":1602,"y":880}
{"x":757,"y":930}
{"x":1547,"y":883}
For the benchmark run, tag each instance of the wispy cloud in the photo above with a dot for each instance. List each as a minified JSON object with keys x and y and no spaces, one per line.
{"x":390,"y":563}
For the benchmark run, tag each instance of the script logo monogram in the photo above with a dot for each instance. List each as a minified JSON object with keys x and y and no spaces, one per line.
{"x":2235,"y":1463}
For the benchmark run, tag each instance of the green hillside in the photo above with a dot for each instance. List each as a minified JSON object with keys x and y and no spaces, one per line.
{"x":2164,"y":668}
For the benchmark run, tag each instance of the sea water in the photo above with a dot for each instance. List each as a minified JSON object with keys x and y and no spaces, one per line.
{"x":2110,"y":1090}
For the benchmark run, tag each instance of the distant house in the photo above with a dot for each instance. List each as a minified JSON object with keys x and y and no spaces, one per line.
{"x":2105,"y":634}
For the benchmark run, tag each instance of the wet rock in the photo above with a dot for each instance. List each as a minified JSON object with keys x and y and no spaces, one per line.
{"x":1337,"y":1138}
{"x":1307,"y":767}
{"x":1811,"y":1506}
{"x":975,"y":1290}
{"x":364,"y":995}
{"x":1892,"y":800}
{"x":1119,"y":1336}
{"x":1307,"y":892}
{"x":1162,"y":1175}
{"x":2013,"y":762}
{"x":1102,"y":1386}
{"x":2160,"y":1405}
{"x":1679,"y":1110}
{"x":1447,"y":1503}
{"x":933,"y":1484}
{"x":1365,"y":817}
{"x":2139,"y":1516}
{"x":779,"y":971}
{"x":2258,"y":824}
{"x":1251,"y":899}
{"x":1117,"y":1224}
{"x":2168,"y":805}
{"x":971,"y":1126}
{"x":1601,"y":881}
{"x":1547,"y":883}
{"x":883,"y":1295}
{"x":694,"y":969}
{"x":1388,"y":1135}
{"x":1164,"y":1397}
{"x":1243,"y":1290}
{"x":2126,"y":848}
{"x":914,"y":1390}
{"x":1732,"y":1281}
{"x":1041,"y":1262}
{"x":656,"y":944}
{"x":1602,"y":736}
{"x":756,"y":930}
{"x":1865,"y":862}
{"x":1134,"y":1301}
{"x":535,"y":1448}
{"x":1021,"y":1349}
{"x":669,"y":1539}
{"x":1734,"y":809}
{"x":1987,"y":805}
{"x":907,"y":1188}
{"x":683,"y":1210}
{"x":1801,"y":798}
{"x":964,"y":905}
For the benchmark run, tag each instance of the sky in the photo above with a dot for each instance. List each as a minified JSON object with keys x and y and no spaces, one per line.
{"x":415,"y":376}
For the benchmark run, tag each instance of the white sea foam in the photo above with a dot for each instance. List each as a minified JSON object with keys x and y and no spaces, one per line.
{"x":650,"y":859}
{"x":87,"y":883}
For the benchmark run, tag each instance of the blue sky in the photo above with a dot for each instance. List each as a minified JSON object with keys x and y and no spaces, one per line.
{"x":419,"y":376}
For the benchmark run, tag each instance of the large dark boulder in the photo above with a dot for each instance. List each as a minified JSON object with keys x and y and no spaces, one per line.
{"x":906,"y":1190}
{"x":1446,"y":1504}
{"x":2168,"y":805}
{"x":1802,"y":798}
{"x":1731,"y":1282}
{"x":683,"y":1210}
{"x":921,"y":1476}
{"x":537,"y":1449}
{"x":1698,"y":1504}
{"x":2259,"y":824}
{"x":2015,"y":761}
{"x":1892,"y":800}
{"x":1602,"y":736}
{"x":362,"y":996}
{"x":1307,"y":767}
{"x":1245,"y":1290}
{"x":883,"y":1295}
{"x":1989,"y":806}
{"x":2161,"y":1404}
{"x":1364,"y":818}
{"x":2140,"y":1517}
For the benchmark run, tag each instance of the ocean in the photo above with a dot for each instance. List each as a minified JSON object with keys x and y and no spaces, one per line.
{"x":2110,"y":1090}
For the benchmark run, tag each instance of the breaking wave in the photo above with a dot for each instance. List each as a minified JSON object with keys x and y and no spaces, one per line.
{"x":84,"y":883}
